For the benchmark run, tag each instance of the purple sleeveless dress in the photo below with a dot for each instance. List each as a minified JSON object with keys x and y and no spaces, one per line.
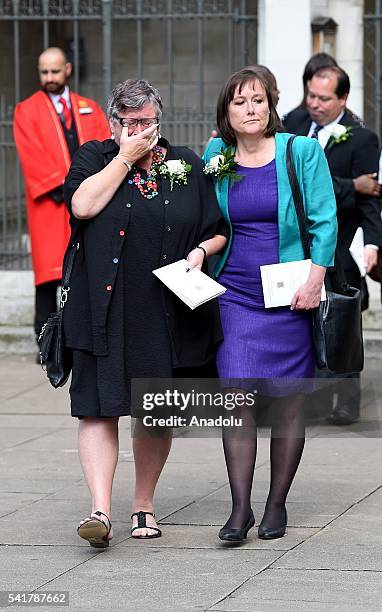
{"x":268,"y":343}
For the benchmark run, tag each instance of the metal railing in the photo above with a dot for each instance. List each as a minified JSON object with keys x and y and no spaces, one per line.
{"x":373,"y":65}
{"x":230,"y":26}
{"x":14,"y":238}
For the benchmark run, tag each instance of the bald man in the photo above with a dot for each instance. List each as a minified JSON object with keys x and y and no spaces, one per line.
{"x":49,"y":126}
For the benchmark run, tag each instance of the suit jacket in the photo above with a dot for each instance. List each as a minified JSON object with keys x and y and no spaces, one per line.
{"x":318,"y":196}
{"x":347,"y":160}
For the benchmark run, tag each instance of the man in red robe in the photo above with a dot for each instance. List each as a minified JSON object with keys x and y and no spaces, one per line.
{"x":49,"y":126}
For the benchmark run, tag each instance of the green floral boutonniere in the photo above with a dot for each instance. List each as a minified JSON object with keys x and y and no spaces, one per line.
{"x":339,"y":133}
{"x":176,"y":170}
{"x":223,"y":166}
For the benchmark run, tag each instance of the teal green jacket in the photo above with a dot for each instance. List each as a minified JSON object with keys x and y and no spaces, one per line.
{"x":318,"y":195}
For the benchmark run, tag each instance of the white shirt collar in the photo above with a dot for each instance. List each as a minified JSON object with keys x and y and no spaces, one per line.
{"x":56,"y":99}
{"x":325,"y":133}
{"x":337,"y":120}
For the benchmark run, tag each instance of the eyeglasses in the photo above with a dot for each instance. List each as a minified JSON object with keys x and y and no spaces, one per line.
{"x":132,"y":122}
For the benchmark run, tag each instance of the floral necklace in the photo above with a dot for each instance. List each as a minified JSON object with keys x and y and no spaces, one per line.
{"x":149,"y":186}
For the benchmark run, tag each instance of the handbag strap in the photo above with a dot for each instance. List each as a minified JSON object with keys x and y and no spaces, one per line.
{"x":335,"y":278}
{"x":297,"y":199}
{"x":68,"y":271}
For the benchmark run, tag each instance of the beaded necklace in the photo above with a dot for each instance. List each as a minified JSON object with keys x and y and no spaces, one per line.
{"x":149,"y":186}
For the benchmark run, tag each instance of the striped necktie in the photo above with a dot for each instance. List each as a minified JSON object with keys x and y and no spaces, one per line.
{"x":316,"y":130}
{"x":67,"y":115}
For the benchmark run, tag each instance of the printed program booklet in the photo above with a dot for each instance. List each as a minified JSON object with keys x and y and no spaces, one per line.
{"x":193,"y":288}
{"x":281,"y":281}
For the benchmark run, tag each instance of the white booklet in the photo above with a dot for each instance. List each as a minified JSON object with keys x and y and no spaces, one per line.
{"x":356,"y":250}
{"x":281,"y":281}
{"x":193,"y":288}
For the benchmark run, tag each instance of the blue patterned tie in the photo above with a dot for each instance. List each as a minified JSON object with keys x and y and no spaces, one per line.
{"x":316,"y":130}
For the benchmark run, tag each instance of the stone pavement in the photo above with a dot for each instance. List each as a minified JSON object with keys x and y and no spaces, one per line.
{"x":330,"y":560}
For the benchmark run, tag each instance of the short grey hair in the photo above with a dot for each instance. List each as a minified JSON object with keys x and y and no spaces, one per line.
{"x":133,"y":93}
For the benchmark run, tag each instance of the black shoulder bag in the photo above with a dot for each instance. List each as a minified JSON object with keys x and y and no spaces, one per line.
{"x":54,"y":356}
{"x":337,"y":322}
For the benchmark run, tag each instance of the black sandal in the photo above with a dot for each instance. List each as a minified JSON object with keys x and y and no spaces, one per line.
{"x":143,"y":525}
{"x":95,"y":530}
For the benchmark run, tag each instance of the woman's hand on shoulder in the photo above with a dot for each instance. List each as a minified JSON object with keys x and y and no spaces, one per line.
{"x":133,"y":148}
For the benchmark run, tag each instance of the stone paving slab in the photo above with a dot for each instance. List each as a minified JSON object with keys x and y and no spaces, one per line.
{"x":20,"y":376}
{"x":28,"y":567}
{"x":16,"y":436}
{"x":40,"y":398}
{"x":352,"y":542}
{"x":340,"y":488}
{"x":52,"y":441}
{"x":11,"y":502}
{"x":146,"y":580}
{"x":304,"y":590}
{"x":35,"y":421}
{"x":334,"y":517}
{"x":41,"y":484}
{"x":201,"y":536}
{"x":209,"y":511}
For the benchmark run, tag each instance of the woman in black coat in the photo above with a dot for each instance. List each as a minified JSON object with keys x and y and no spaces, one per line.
{"x":136,"y":203}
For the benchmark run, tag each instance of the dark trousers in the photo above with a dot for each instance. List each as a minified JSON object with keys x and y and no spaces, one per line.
{"x":346,"y":386}
{"x":45,"y":303}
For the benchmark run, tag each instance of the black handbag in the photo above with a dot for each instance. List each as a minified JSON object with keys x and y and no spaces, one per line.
{"x":337,"y":322}
{"x":55,"y":358}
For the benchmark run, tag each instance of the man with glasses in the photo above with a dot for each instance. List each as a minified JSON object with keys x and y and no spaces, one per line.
{"x":49,"y":126}
{"x":352,"y":151}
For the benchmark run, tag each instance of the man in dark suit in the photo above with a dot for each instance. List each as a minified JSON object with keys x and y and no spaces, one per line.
{"x":352,"y":150}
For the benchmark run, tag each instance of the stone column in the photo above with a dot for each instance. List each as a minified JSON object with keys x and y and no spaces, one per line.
{"x":349,"y":16}
{"x":284,"y":45}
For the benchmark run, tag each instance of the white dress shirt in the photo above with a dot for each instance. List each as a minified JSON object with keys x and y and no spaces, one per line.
{"x":323,"y":138}
{"x":325,"y":133}
{"x":56,"y":97}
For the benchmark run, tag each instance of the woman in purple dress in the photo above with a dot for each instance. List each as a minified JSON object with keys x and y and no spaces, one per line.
{"x":273,"y":346}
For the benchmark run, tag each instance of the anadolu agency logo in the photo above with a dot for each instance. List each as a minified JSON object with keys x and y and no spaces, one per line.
{"x":194,"y":408}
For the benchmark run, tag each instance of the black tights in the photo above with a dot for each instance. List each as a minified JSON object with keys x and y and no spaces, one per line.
{"x":240,"y":447}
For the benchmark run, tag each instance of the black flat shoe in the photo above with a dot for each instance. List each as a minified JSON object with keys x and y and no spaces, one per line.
{"x":271,"y":533}
{"x":344,"y":415}
{"x":237,"y":534}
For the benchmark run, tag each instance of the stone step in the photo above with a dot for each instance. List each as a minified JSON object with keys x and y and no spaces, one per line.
{"x":372,"y":339}
{"x":21,"y":340}
{"x":17,"y":340}
{"x":372,"y":318}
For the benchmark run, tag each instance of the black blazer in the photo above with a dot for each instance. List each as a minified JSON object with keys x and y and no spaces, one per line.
{"x":191,"y":213}
{"x":347,"y":160}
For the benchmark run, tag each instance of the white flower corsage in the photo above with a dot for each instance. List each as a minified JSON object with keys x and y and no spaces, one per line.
{"x":339,"y":133}
{"x":223,"y":166}
{"x":176,"y":170}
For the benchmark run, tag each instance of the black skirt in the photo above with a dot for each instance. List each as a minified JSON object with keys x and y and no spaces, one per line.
{"x":85,"y":396}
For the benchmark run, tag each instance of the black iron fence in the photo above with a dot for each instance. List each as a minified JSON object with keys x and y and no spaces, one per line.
{"x":373,"y":65}
{"x":185,"y":47}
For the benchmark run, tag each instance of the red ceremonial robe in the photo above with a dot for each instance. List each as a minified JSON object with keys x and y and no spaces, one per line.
{"x":45,"y":161}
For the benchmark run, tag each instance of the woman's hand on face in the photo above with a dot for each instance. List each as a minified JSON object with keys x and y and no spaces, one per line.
{"x":307,"y":297}
{"x":195,"y":259}
{"x":135,"y":147}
